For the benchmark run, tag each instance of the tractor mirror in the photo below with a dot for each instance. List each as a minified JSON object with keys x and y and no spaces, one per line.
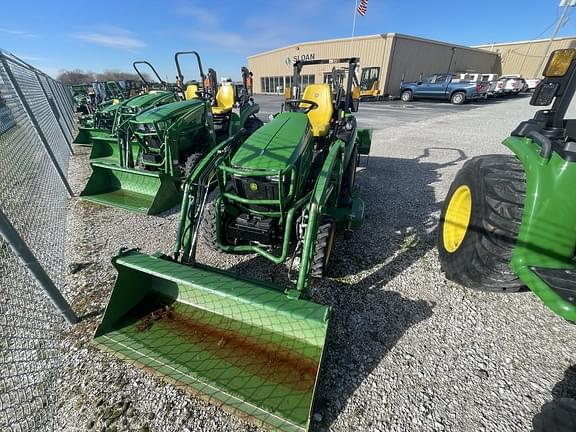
{"x":559,"y":63}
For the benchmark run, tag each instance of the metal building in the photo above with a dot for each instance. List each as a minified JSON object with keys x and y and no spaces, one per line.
{"x":393,"y":57}
{"x":527,"y":58}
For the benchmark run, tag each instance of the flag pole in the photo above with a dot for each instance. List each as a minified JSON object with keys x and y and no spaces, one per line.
{"x":353,"y":29}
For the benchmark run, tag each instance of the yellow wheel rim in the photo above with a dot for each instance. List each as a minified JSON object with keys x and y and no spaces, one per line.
{"x":457,"y":218}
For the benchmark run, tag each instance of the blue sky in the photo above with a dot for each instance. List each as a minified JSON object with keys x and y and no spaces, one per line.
{"x":54,"y":35}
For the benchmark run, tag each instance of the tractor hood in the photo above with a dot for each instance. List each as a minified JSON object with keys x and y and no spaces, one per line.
{"x":168,"y":111}
{"x":148,"y":99}
{"x":110,"y":108}
{"x":276,"y":145}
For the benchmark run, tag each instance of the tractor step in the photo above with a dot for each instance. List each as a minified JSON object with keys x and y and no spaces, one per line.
{"x":562,"y":281}
{"x":235,"y":342}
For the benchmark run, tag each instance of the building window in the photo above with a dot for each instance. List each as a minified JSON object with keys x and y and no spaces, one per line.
{"x":277,"y":84}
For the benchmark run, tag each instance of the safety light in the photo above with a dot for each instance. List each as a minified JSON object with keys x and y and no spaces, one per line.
{"x":559,"y":62}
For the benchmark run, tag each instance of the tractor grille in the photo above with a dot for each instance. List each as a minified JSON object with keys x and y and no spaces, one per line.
{"x":258,"y":188}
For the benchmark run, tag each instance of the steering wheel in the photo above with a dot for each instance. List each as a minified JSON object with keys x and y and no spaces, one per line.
{"x":294,"y":105}
{"x":203,"y":94}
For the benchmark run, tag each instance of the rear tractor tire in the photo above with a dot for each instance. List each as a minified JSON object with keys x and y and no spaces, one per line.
{"x":480,"y":221}
{"x":323,"y":247}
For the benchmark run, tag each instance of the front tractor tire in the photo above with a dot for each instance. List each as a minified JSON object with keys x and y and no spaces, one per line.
{"x":323,"y":247}
{"x":480,"y":221}
{"x":208,"y":227}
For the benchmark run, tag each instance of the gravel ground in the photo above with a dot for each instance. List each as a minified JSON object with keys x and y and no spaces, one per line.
{"x":407,"y":350}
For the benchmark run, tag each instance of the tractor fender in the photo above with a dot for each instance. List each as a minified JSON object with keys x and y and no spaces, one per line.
{"x":547,"y":237}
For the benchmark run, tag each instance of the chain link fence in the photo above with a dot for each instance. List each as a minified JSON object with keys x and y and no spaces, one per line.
{"x":36,"y":129}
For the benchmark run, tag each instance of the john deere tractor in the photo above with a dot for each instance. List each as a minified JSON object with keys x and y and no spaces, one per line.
{"x":161,"y":145}
{"x":247,"y":345}
{"x":509,"y":221}
{"x":106,"y":144}
{"x":110,"y":118}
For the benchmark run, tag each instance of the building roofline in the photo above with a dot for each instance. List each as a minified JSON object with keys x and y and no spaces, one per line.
{"x":436,"y":42}
{"x":373,"y":36}
{"x":521,"y":42}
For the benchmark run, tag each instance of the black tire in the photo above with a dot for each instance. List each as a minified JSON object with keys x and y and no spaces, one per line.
{"x":348,"y":180}
{"x":458,"y":98}
{"x":191,"y":163}
{"x":406,"y":96}
{"x":556,"y":416}
{"x":208,"y":226}
{"x":323,"y":247}
{"x":252,"y":124}
{"x":481,"y":260}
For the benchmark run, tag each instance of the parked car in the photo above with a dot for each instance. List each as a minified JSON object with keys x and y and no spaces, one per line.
{"x":493,"y":80}
{"x":532,"y":83}
{"x":514,"y":84}
{"x":443,"y":86}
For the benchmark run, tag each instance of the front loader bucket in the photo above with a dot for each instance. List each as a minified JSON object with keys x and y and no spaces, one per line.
{"x":106,"y":149}
{"x":234,"y":342}
{"x":131,"y":189}
{"x":86,"y":135}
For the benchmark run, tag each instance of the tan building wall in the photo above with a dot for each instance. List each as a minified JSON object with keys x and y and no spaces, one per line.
{"x":401,"y":57}
{"x":525,"y":58}
{"x":412,"y":57}
{"x":278,"y":63}
{"x":398,"y":56}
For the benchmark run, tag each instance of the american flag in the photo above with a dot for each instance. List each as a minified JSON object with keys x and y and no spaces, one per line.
{"x":362,"y":7}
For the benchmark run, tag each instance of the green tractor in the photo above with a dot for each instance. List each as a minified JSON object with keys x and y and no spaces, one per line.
{"x":106,"y":144}
{"x":509,"y":221}
{"x":81,"y":99}
{"x":104,"y":123}
{"x":248,"y":345}
{"x":161,"y":145}
{"x":103,"y":100}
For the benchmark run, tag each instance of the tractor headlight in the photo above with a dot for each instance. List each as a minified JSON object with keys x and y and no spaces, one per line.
{"x":559,"y":62}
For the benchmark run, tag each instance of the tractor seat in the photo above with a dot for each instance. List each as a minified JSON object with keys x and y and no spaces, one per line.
{"x":224,"y":100}
{"x":191,"y":90}
{"x":320,"y":117}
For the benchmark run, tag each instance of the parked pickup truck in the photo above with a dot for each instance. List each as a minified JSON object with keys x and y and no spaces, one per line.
{"x":443,"y":86}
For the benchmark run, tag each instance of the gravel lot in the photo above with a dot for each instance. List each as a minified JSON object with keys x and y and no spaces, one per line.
{"x":407,"y":349}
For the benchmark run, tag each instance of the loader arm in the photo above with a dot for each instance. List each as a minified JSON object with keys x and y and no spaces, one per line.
{"x":196,"y":189}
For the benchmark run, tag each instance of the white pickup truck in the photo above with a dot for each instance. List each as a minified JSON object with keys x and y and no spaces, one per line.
{"x":496,"y":87}
{"x":514,"y":84}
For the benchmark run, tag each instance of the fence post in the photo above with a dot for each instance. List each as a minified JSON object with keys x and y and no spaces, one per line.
{"x":20,"y":94}
{"x":20,"y":248}
{"x":54,"y":109}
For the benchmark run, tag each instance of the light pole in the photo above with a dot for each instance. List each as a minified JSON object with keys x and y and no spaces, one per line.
{"x":565,"y":4}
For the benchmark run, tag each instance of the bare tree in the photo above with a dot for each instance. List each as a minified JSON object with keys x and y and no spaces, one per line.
{"x":116,"y":75}
{"x":76,"y":76}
